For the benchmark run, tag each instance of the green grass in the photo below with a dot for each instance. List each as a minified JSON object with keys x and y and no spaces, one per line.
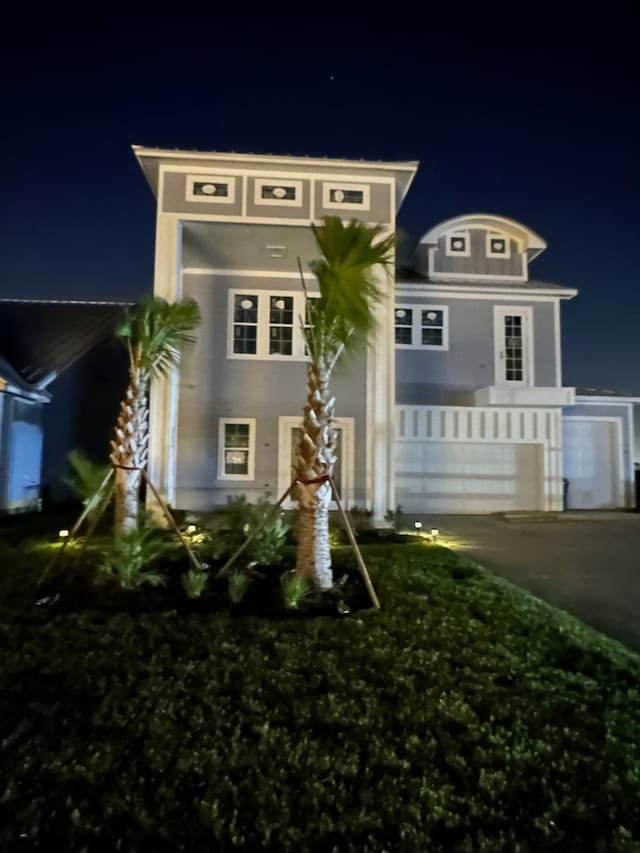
{"x":465,"y":716}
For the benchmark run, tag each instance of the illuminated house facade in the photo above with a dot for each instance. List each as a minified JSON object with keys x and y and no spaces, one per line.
{"x":458,"y":405}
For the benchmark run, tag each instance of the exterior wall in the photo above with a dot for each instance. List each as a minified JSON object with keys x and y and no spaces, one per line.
{"x":213,"y":386}
{"x":450,"y":377}
{"x":21,"y":455}
{"x":477,"y":264}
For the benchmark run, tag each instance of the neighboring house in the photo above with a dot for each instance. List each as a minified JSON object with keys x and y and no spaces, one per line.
{"x":458,"y":405}
{"x":21,"y":416}
{"x":44,"y":341}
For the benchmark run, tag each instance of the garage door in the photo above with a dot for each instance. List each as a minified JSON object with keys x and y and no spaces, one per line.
{"x":591,"y":464}
{"x":446,"y":477}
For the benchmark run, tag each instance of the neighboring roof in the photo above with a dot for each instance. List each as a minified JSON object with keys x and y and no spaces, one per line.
{"x":42,"y":338}
{"x":531,"y":242}
{"x":12,"y":383}
{"x":410,"y":277}
{"x":150,"y":160}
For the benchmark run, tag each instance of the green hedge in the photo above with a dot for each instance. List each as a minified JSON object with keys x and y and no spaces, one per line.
{"x":466,"y":716}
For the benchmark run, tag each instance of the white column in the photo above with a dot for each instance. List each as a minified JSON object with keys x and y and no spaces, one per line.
{"x":163,"y":420}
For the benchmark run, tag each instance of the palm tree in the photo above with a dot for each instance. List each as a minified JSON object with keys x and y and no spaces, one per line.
{"x":338,"y":323}
{"x":155,"y":332}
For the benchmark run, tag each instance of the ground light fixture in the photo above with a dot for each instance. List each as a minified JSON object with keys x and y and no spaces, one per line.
{"x":191,"y":528}
{"x":417,"y":525}
{"x":434,"y":532}
{"x":63,"y":534}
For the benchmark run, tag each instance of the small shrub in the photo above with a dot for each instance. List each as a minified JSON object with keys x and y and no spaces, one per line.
{"x":396,"y":518}
{"x":129,"y":558}
{"x":360,"y":518}
{"x":242,"y":518}
{"x":295,"y":589}
{"x":85,"y":480}
{"x":239,"y":583}
{"x":194,"y":582}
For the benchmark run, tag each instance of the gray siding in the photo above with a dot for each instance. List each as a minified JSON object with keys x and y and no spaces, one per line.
{"x":476,"y":264}
{"x":429,"y":377}
{"x":213,"y":386}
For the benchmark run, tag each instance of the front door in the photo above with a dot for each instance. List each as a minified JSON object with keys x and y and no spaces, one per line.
{"x":513,"y":350}
{"x":289,"y":434}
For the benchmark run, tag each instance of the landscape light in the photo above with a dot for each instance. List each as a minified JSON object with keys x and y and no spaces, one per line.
{"x":191,"y":528}
{"x":63,"y":534}
{"x":435,"y":532}
{"x":418,"y":525}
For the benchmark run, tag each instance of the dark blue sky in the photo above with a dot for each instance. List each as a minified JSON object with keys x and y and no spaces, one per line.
{"x":513,"y":112}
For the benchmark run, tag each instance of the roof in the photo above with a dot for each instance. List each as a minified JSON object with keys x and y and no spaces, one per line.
{"x":12,"y":383}
{"x":150,"y":160}
{"x":604,"y":395}
{"x":411,"y":277}
{"x":42,"y":338}
{"x":531,"y":242}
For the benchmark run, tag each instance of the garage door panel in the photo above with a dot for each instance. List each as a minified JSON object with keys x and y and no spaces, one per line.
{"x":445,"y":477}
{"x":590,"y":461}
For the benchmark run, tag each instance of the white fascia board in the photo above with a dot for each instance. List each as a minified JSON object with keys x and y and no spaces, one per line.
{"x":481,"y":291}
{"x":603,"y":401}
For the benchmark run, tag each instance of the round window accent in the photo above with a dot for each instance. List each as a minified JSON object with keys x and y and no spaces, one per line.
{"x":401,"y":313}
{"x":280,"y":304}
{"x":279,"y":192}
{"x":246,"y":303}
{"x":208,"y":189}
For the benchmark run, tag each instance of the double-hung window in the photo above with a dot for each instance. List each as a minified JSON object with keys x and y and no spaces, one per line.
{"x":422,"y":327}
{"x":266,"y":324}
{"x":237,"y":443}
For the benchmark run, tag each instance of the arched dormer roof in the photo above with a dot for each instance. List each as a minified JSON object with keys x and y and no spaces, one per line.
{"x":530,"y":242}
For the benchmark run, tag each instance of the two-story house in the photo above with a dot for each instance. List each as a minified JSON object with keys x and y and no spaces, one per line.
{"x":458,"y":405}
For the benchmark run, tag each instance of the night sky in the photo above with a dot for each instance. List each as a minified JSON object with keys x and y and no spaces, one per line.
{"x":511,"y":111}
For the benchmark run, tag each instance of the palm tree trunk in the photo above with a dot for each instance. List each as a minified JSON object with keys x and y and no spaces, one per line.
{"x":129,"y":449}
{"x":315,"y":457}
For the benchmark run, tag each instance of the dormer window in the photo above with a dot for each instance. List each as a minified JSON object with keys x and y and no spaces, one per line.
{"x":498,"y":246}
{"x":459,"y":244}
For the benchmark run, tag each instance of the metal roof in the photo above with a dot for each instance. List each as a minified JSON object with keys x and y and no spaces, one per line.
{"x":42,"y":338}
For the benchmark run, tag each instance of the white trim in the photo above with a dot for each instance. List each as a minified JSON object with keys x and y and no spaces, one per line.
{"x":416,"y":327}
{"x":506,"y":238}
{"x":261,"y":183}
{"x":328,"y":186}
{"x":531,"y":242}
{"x":451,"y":291}
{"x":229,"y":180}
{"x":287,"y":423}
{"x":453,"y":276}
{"x":603,"y":400}
{"x":251,"y":455}
{"x":450,"y":252}
{"x":309,"y":276}
{"x":557,"y":342}
{"x":528,"y":372}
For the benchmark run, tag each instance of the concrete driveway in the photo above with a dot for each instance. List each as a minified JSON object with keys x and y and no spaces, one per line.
{"x":587,"y":563}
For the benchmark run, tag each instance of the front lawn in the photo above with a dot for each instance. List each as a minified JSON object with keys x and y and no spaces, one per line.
{"x":465,"y":716}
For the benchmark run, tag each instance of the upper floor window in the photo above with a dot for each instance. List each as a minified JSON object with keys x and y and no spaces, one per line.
{"x":458,"y":243}
{"x":273,"y":191}
{"x":211,"y":188}
{"x":345,"y":196}
{"x":265,"y":324}
{"x":498,"y":246}
{"x":422,"y":326}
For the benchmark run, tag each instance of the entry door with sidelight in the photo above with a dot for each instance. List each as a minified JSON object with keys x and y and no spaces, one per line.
{"x":513,"y":350}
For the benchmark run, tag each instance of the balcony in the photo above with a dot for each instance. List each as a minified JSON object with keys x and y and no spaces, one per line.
{"x":524,"y":395}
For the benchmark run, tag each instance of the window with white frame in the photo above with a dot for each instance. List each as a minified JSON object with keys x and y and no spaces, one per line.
{"x":458,"y":243}
{"x":422,"y":327}
{"x":345,"y":196}
{"x":266,"y":324}
{"x":273,"y":191}
{"x":237,"y":442}
{"x":497,"y":246}
{"x":211,"y":188}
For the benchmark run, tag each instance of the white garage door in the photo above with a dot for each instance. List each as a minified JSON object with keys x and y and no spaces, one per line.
{"x":446,"y":477}
{"x":591,"y":463}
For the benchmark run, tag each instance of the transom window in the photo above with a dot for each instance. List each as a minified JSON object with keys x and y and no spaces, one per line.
{"x":346,"y":196}
{"x":422,"y":326}
{"x":265,"y":324}
{"x":497,"y":246}
{"x":237,"y":440}
{"x":458,"y":243}
{"x":273,"y":191}
{"x":218,"y":189}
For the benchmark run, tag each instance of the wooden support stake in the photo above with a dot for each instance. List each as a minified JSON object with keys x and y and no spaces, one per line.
{"x":194,"y":560}
{"x":76,"y":526}
{"x":250,"y":539}
{"x":95,"y":522}
{"x":352,"y":539}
